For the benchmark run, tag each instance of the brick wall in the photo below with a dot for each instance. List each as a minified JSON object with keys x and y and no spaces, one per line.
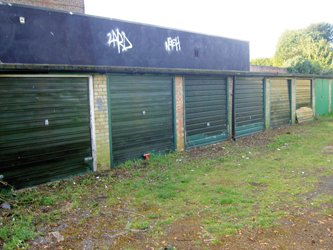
{"x":69,"y":5}
{"x":267,"y":101}
{"x":293,"y":101}
{"x":313,"y":85}
{"x":258,"y":68}
{"x":330,"y":96}
{"x":101,"y":122}
{"x":231,"y":87}
{"x":179,"y":87}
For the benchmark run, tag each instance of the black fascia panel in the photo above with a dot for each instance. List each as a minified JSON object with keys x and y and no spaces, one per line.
{"x":42,"y":36}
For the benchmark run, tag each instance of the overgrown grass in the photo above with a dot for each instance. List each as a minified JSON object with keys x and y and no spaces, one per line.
{"x":249,"y":187}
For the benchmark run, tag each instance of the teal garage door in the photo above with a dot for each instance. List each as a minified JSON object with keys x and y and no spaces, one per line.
{"x":205,"y":110}
{"x":44,"y":129}
{"x":280,"y":113}
{"x":248,"y":106}
{"x":322,"y":96}
{"x":303,"y":94}
{"x":141,"y":116}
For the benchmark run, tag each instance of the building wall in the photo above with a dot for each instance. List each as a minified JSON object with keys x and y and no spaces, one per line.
{"x":101,"y":122}
{"x":268,"y":69}
{"x":69,"y":5}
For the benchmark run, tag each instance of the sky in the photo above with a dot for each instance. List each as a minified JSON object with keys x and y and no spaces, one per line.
{"x":261,"y":22}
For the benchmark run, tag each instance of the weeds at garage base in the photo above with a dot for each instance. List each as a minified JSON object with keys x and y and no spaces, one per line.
{"x":224,"y":187}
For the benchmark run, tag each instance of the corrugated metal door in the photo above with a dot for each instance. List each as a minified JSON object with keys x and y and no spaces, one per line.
{"x":205,"y":111}
{"x":141,"y":116}
{"x":322,"y":96}
{"x":248,"y":106}
{"x":280,"y":113}
{"x":303,"y":94}
{"x":44,"y":129}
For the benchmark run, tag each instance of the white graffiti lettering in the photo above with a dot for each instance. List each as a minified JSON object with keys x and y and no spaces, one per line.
{"x":172,"y":44}
{"x":120,"y":40}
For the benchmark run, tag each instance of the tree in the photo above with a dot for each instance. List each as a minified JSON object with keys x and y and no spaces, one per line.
{"x":320,"y":30}
{"x":317,"y":51}
{"x":296,"y":48}
{"x":287,"y":47}
{"x":300,"y":65}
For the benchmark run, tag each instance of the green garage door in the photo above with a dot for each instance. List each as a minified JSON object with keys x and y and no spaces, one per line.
{"x":141,"y":116}
{"x":280,"y":113}
{"x":44,"y":129}
{"x":205,"y":111}
{"x":303,"y":94}
{"x":322,"y":96}
{"x":248,"y":106}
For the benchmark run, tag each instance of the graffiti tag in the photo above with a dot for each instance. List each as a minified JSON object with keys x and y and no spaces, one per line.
{"x":172,"y":44}
{"x":120,"y":40}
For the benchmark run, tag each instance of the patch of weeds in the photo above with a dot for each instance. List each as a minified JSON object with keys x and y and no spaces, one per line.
{"x":197,"y":243}
{"x":226,"y":201}
{"x":228,"y":209}
{"x":222,"y":159}
{"x":166,"y":194}
{"x":230,"y":231}
{"x":215,"y":242}
{"x":141,"y":225}
{"x":189,"y":212}
{"x":96,"y":212}
{"x":166,"y":222}
{"x":208,"y":221}
{"x":267,"y":222}
{"x":152,"y":216}
{"x":15,"y":232}
{"x":81,"y":222}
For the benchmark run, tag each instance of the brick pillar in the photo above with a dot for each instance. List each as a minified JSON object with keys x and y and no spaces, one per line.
{"x":267,"y":111}
{"x":67,"y":5}
{"x":293,"y":101}
{"x":313,"y":96}
{"x":101,"y":122}
{"x":231,"y":87}
{"x":179,"y":95}
{"x":330,"y":96}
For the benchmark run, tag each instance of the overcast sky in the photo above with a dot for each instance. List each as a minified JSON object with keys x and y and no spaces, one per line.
{"x":260,"y":22}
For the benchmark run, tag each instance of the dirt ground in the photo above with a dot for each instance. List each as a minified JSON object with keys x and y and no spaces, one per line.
{"x":303,"y":228}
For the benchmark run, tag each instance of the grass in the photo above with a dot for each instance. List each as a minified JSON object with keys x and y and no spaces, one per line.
{"x":223,"y":193}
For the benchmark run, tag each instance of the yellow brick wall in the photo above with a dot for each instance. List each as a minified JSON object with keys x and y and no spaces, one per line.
{"x":68,"y":5}
{"x":293,"y":101}
{"x":231,"y":87}
{"x":314,"y":96}
{"x":179,"y":95}
{"x":330,"y":96}
{"x":101,"y":122}
{"x":267,"y":111}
